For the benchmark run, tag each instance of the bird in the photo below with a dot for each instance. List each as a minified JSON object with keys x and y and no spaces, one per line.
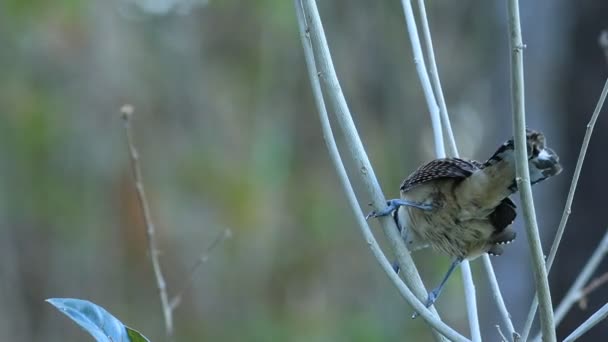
{"x":461,"y":207}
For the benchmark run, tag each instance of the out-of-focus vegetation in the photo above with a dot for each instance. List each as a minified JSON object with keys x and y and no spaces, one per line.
{"x":229,"y":138}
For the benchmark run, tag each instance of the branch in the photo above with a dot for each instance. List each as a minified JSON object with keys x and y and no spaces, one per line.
{"x":327,"y":73}
{"x":522,"y":172}
{"x":500,"y":303}
{"x":424,"y":78}
{"x":443,"y":109}
{"x":127,"y":113}
{"x":568,"y":205}
{"x":203,"y":258}
{"x":588,"y":324}
{"x":574,"y":293}
{"x":586,"y":291}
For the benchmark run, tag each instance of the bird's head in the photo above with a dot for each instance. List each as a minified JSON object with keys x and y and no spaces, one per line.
{"x":543,"y":162}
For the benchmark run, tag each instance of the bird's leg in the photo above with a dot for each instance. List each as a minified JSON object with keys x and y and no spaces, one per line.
{"x":434,"y":294}
{"x":396,"y":266}
{"x":394,"y":204}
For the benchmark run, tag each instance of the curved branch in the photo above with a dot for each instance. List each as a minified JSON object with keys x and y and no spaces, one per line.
{"x":327,"y":73}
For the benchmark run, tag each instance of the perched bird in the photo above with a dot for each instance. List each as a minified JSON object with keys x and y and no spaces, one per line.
{"x":462,"y":207}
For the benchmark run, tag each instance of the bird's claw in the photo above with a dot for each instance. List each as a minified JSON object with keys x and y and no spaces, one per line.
{"x":394,"y":204}
{"x":430,"y":300}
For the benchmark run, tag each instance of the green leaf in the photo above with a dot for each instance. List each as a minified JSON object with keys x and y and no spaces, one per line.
{"x":136,"y":336}
{"x":96,"y":320}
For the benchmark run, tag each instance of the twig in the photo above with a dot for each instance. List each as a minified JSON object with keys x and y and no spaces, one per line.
{"x":568,"y":205}
{"x":424,"y":78}
{"x":500,"y":303}
{"x":503,"y":338}
{"x":203,"y":258}
{"x":523,"y":178}
{"x":127,"y":113}
{"x":586,"y":291}
{"x":574,"y":292}
{"x":592,"y":321}
{"x":318,"y":45}
{"x":443,"y":109}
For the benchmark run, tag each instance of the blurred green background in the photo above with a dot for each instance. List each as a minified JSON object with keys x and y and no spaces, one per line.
{"x":229,"y":138}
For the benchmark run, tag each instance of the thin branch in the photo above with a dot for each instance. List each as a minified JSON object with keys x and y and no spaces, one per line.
{"x":586,"y":291}
{"x":203,"y":258}
{"x":500,"y":303}
{"x":523,"y":178}
{"x":424,"y":78}
{"x":318,"y":45}
{"x":453,"y":151}
{"x":503,"y":338}
{"x":574,"y":292}
{"x":467,"y":277}
{"x":592,"y":321}
{"x":568,"y":205}
{"x":127,"y":113}
{"x":443,"y":109}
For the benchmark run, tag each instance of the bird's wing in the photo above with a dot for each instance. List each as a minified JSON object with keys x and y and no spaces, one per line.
{"x":503,"y":215}
{"x":439,"y":169}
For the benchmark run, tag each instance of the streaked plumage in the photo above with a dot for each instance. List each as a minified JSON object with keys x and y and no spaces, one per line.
{"x":462,"y":207}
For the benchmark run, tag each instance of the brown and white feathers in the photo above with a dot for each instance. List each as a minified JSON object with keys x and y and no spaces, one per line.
{"x":473,"y":212}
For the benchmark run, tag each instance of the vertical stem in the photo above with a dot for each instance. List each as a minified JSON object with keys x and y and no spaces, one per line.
{"x":522,"y":171}
{"x":127,"y":113}
{"x":424,"y":78}
{"x":443,"y":109}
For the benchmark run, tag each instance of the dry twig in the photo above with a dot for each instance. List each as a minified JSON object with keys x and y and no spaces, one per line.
{"x":127,"y":113}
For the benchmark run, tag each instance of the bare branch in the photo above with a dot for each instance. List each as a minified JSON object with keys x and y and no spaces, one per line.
{"x":318,"y":45}
{"x":592,"y":321}
{"x":568,"y":205}
{"x":424,"y":78}
{"x":203,"y":258}
{"x":500,"y":303}
{"x":523,"y":178}
{"x":574,"y":293}
{"x":127,"y":113}
{"x":586,"y":291}
{"x":443,"y":110}
{"x":503,"y":338}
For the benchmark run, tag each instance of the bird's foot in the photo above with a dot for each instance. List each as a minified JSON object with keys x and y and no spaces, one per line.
{"x":430,"y":300}
{"x":394,"y":204}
